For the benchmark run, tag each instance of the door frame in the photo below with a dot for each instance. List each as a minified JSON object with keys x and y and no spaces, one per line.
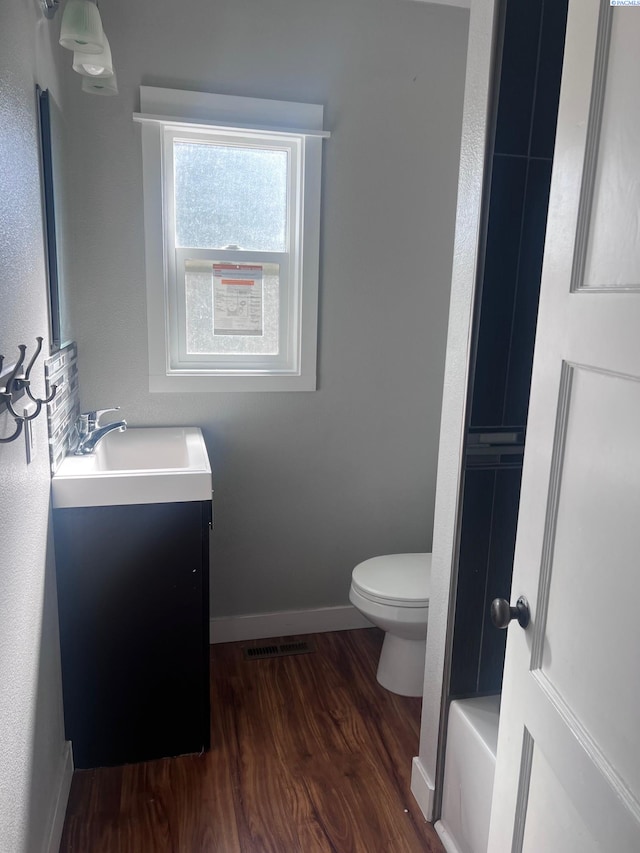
{"x":477,"y":131}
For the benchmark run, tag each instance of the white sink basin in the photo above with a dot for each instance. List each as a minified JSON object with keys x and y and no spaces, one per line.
{"x":138,"y":466}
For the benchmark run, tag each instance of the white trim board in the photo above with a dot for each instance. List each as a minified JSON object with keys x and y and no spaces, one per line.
{"x":475,"y":130}
{"x":60,"y":800}
{"x":422,"y":788}
{"x":285,"y":623}
{"x":461,"y":4}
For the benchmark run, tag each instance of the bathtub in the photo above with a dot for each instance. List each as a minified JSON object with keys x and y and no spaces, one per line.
{"x":469,"y":766}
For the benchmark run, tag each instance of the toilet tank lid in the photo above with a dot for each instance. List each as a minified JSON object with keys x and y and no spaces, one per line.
{"x":403,"y":579}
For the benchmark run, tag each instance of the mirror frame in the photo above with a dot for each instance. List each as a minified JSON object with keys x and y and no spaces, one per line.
{"x":49,"y":213}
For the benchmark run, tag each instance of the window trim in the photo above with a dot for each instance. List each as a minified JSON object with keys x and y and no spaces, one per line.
{"x":163,"y":116}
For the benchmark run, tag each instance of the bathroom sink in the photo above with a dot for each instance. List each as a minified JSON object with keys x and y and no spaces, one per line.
{"x":138,"y":466}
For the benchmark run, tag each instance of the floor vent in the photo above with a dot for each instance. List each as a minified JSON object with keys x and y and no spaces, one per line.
{"x":301,"y":647}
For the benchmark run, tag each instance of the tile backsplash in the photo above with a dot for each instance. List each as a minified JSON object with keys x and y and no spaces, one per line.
{"x":61,"y":369}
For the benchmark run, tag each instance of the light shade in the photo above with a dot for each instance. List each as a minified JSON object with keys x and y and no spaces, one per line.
{"x":81,"y":27}
{"x":94,"y":64}
{"x":100,"y":85}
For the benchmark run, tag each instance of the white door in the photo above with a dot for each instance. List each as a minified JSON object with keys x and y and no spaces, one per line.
{"x":568,"y":766}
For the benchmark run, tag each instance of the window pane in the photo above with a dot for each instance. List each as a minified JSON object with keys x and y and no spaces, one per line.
{"x":230,"y":195}
{"x":243,"y":320}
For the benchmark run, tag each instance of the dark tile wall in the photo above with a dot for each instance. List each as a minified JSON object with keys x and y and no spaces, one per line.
{"x":487,"y":544}
{"x":519,"y":192}
{"x":509,"y":185}
{"x":529,"y":89}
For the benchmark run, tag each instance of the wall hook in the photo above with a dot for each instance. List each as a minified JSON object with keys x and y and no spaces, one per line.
{"x":15,"y":383}
{"x":7,"y":391}
{"x":5,"y":397}
{"x":19,"y":425}
{"x":25,"y":381}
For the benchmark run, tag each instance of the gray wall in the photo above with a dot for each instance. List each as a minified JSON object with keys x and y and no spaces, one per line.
{"x":306,"y":484}
{"x":32,"y":755}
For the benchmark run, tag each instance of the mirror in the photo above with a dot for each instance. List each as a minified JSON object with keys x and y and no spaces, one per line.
{"x":51,"y":248}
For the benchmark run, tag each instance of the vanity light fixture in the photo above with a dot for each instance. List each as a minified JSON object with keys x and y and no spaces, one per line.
{"x":49,"y":7}
{"x":81,"y":31}
{"x":94,"y":64}
{"x":100,"y":85}
{"x":81,"y":27}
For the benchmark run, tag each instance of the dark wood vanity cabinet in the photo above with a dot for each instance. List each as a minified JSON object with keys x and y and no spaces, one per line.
{"x":133,"y":599}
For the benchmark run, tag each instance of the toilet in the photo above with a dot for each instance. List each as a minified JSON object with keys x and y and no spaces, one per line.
{"x":393,"y":592}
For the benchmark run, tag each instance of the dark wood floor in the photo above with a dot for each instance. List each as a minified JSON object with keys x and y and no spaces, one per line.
{"x":309,"y":755}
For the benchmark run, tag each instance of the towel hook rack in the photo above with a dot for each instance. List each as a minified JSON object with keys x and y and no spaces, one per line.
{"x":14,"y":383}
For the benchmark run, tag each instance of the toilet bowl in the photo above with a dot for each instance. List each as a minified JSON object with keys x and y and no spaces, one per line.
{"x":393,"y":592}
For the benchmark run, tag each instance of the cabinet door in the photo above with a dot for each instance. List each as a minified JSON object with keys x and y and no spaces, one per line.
{"x":133,"y":601}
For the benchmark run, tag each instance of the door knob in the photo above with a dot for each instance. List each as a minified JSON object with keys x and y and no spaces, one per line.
{"x":502,"y":613}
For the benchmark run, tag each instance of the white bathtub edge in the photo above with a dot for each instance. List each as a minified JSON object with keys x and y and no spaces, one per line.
{"x":469,"y":769}
{"x":447,"y":840}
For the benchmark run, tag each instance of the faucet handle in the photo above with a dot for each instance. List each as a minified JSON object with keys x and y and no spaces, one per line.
{"x":90,"y":420}
{"x":100,"y":412}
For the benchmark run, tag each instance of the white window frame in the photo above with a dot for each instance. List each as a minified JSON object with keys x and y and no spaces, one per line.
{"x":167,"y":115}
{"x":288,"y":261}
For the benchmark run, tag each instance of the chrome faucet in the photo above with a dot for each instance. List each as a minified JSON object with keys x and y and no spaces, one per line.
{"x":90,"y":434}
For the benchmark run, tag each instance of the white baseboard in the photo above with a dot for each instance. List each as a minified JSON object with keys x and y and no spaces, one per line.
{"x":261,"y":626}
{"x":61,"y":797}
{"x":422,"y":788}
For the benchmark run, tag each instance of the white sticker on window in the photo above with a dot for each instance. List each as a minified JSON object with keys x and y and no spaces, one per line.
{"x":237,"y":299}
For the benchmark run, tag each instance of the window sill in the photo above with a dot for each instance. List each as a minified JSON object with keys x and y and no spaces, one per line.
{"x":176,"y":383}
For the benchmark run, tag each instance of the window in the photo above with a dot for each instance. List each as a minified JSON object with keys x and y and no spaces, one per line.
{"x":232,"y":219}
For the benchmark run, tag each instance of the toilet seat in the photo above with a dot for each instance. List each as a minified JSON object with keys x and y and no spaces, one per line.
{"x":399,"y":580}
